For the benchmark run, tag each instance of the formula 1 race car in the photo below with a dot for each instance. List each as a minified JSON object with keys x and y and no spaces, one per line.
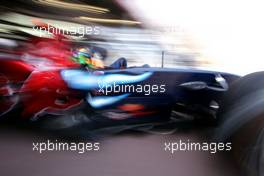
{"x":72,"y":95}
{"x":47,"y":82}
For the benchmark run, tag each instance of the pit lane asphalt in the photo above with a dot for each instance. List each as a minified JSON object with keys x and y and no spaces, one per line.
{"x":122,"y":154}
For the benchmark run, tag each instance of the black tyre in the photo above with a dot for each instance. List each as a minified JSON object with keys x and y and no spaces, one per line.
{"x":241,"y":121}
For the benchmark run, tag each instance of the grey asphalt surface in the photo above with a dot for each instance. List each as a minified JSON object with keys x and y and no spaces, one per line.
{"x":122,"y":154}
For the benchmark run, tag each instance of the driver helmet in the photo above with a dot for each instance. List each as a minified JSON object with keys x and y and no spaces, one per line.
{"x":85,"y":56}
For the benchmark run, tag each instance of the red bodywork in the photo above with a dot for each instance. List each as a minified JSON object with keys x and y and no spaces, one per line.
{"x":35,"y":78}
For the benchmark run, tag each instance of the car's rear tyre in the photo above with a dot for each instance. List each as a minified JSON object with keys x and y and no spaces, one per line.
{"x":241,"y":121}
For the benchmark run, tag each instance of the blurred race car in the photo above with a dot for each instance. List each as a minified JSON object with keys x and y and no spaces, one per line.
{"x":52,"y":82}
{"x":118,"y":94}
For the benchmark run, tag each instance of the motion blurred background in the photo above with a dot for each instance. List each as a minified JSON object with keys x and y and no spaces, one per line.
{"x":216,"y":35}
{"x":223,"y":35}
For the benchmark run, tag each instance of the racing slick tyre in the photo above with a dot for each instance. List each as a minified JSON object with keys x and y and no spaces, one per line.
{"x":241,"y":121}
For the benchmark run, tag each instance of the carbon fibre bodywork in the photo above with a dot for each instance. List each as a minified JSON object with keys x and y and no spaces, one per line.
{"x":187,"y":93}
